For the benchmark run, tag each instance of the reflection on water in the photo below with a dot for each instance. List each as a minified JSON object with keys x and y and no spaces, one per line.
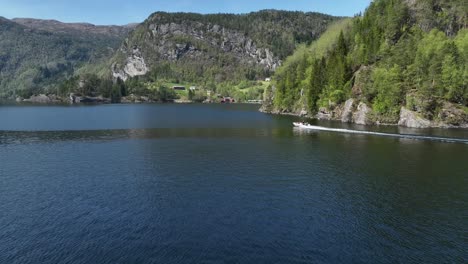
{"x":24,"y":137}
{"x":17,"y":137}
{"x":150,"y":116}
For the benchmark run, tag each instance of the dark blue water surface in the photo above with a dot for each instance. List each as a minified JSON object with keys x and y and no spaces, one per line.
{"x":223,"y":184}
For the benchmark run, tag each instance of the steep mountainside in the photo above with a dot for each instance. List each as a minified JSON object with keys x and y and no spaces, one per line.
{"x":403,"y":62}
{"x":36,"y":55}
{"x":215,"y":48}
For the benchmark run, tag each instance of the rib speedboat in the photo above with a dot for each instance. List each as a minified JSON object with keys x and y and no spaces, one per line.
{"x":309,"y":126}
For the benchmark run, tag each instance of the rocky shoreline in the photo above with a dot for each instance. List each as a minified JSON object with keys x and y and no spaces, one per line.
{"x":359,"y":113}
{"x":54,"y":99}
{"x":352,"y":111}
{"x":76,"y":99}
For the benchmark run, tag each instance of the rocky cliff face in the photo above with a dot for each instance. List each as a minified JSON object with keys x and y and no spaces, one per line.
{"x":134,"y":65}
{"x":352,"y":111}
{"x":357,"y":112}
{"x":412,"y":119}
{"x":215,"y":35}
{"x":187,"y":41}
{"x":221,"y":44}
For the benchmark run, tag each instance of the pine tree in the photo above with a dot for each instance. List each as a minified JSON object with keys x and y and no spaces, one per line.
{"x":452,"y":80}
{"x":316,"y":84}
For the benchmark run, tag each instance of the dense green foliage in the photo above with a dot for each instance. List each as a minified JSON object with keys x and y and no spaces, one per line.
{"x":399,"y":52}
{"x":34,"y":61}
{"x":93,"y":85}
{"x":306,"y":72}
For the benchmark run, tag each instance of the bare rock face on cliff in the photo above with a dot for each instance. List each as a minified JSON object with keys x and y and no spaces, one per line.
{"x":352,"y":111}
{"x":169,"y":43}
{"x":187,"y":42}
{"x":448,"y":116}
{"x":361,"y":116}
{"x":453,"y":116}
{"x":134,"y":66}
{"x":412,"y":119}
{"x":220,"y":46}
{"x":347,"y":115}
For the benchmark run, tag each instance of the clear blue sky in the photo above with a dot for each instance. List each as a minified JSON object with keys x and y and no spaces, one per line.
{"x":127,"y":11}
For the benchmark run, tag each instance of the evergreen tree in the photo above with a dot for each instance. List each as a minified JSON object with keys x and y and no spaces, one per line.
{"x":452,"y":80}
{"x":388,"y":83}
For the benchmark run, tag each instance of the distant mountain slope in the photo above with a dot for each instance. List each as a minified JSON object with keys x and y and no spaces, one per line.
{"x":215,"y":48}
{"x":36,"y":55}
{"x":403,"y":62}
{"x":55,"y":26}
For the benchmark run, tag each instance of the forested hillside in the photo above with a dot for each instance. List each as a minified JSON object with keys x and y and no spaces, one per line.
{"x":219,"y":54}
{"x":403,"y":61}
{"x":37,"y":55}
{"x":224,"y":53}
{"x":215,"y":49}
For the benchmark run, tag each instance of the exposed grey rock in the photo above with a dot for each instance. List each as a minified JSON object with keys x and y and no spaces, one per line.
{"x":451,"y":115}
{"x":361,"y":115}
{"x":166,"y":42}
{"x":411,"y":119}
{"x":74,"y":99}
{"x":117,"y":72}
{"x":347,"y":115}
{"x":135,"y":99}
{"x":135,"y":66}
{"x":43,"y":99}
{"x":324,"y":113}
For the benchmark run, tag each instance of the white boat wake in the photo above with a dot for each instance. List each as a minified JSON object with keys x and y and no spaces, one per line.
{"x":349,"y":131}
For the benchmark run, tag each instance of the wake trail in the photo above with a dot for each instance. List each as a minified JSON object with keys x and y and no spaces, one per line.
{"x":406,"y":136}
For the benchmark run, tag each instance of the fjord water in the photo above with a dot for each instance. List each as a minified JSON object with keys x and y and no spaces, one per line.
{"x":223,"y":184}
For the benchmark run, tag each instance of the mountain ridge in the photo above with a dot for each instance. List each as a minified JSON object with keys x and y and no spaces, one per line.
{"x":56,"y":26}
{"x":38,"y":57}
